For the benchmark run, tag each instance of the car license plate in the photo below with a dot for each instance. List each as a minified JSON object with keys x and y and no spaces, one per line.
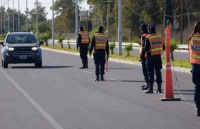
{"x":23,"y":57}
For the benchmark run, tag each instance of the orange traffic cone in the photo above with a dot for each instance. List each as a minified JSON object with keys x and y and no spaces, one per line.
{"x":168,"y":91}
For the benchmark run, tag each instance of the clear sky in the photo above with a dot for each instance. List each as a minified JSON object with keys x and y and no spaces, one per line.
{"x":45,"y":3}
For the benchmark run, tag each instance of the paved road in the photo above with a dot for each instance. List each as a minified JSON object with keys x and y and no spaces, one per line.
{"x":60,"y":96}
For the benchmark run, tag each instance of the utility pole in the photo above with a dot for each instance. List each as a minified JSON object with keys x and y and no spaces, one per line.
{"x":8,"y":17}
{"x":120,"y":28}
{"x":37,"y":20}
{"x":19,"y":29}
{"x":181,"y":26}
{"x":4,"y":24}
{"x":108,"y":15}
{"x":13,"y":17}
{"x":76,"y":17}
{"x":53,"y":35}
{"x":1,"y":19}
{"x":26,"y":16}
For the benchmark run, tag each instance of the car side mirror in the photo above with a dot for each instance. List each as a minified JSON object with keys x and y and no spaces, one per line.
{"x":41,"y":42}
{"x":2,"y":44}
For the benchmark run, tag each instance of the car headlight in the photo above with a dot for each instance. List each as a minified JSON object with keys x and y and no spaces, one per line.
{"x":35,"y":48}
{"x":10,"y":48}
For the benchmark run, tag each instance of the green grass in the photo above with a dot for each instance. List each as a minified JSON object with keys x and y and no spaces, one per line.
{"x":177,"y":63}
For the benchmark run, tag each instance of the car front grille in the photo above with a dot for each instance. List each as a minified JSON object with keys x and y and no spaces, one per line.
{"x":17,"y":54}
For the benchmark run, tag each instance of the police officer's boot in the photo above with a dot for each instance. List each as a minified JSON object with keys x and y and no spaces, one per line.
{"x":83,"y":67}
{"x":198,"y":110}
{"x":86,"y":66}
{"x":150,"y":90}
{"x":146,"y":87}
{"x":159,"y":90}
{"x":97,"y":77}
{"x":102,"y":78}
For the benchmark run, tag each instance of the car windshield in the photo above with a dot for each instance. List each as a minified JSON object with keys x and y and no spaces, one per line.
{"x":13,"y":39}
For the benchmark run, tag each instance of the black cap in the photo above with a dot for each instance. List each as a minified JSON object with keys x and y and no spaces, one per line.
{"x":101,"y":28}
{"x":143,"y":27}
{"x":81,"y":28}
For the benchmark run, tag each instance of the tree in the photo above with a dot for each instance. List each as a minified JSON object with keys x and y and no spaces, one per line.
{"x":41,"y":13}
{"x":65,"y":11}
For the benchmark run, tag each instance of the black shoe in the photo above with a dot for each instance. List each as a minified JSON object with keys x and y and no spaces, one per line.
{"x":145,"y":88}
{"x":102,"y":78}
{"x":150,"y":90}
{"x":198,"y":112}
{"x":97,"y":78}
{"x":82,"y":68}
{"x":158,"y":91}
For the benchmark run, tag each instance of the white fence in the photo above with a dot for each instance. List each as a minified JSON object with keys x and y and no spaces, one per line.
{"x":180,"y":47}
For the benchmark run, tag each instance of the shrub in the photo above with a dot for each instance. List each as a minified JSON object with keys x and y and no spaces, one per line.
{"x":45,"y":36}
{"x":173,"y":47}
{"x":128,"y":48}
{"x":112,"y":46}
{"x":60,"y":40}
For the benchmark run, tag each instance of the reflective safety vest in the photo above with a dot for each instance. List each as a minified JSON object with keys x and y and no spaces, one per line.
{"x":141,"y":45}
{"x":100,"y":41}
{"x":194,"y":49}
{"x":84,"y":37}
{"x":156,"y":43}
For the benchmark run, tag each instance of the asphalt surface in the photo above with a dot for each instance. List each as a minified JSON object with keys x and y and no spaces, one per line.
{"x":61,"y":96}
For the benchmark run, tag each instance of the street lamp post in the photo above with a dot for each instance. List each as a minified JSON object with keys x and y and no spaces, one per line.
{"x":8,"y":17}
{"x":4,"y":17}
{"x":13,"y":17}
{"x":53,"y":35}
{"x":37,"y":19}
{"x":18,"y":16}
{"x":120,"y":28}
{"x":26,"y":16}
{"x":1,"y":19}
{"x":76,"y":17}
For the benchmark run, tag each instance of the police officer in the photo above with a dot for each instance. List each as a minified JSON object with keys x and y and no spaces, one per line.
{"x":154,"y":48}
{"x":83,"y":43}
{"x":194,"y":53}
{"x":101,"y":51}
{"x":143,"y":28}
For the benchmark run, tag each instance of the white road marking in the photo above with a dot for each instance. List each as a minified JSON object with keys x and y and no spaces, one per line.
{"x":34,"y":103}
{"x":87,"y":72}
{"x":112,"y":79}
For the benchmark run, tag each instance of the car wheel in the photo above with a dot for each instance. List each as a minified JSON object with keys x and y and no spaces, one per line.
{"x":38,"y":65}
{"x":4,"y":64}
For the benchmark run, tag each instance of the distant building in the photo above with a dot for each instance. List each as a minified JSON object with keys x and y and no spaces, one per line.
{"x":83,"y":15}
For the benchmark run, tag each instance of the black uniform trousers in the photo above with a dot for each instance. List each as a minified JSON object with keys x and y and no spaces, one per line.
{"x":196,"y":81}
{"x":144,"y":69}
{"x":154,"y":63}
{"x":83,"y":54}
{"x":99,"y":61}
